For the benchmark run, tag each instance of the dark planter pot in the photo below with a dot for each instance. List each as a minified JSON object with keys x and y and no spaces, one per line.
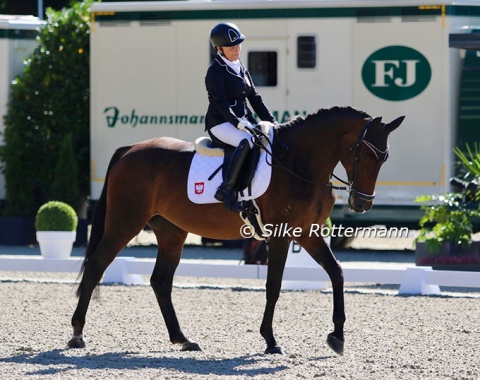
{"x":20,"y":230}
{"x":17,"y":230}
{"x":450,"y":257}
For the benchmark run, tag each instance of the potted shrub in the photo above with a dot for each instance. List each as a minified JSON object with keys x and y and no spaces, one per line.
{"x":445,"y":239}
{"x":446,"y":232}
{"x":56,"y":224}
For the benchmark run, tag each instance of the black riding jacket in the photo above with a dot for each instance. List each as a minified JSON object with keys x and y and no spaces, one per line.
{"x":228,"y":94}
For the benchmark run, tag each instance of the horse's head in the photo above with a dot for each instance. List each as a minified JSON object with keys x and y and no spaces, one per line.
{"x":366,"y":156}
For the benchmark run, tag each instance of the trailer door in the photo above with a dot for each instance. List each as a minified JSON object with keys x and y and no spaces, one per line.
{"x":266,"y":61}
{"x":469,"y":109}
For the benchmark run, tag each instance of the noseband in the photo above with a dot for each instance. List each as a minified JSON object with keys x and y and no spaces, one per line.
{"x":381,"y":155}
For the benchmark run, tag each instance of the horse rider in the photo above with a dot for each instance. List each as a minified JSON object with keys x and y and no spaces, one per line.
{"x":228,"y":117}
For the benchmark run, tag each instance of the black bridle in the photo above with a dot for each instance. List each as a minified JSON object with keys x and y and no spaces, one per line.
{"x":381,"y":155}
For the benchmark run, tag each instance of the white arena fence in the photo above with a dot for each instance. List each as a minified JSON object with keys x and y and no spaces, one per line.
{"x":128,"y":270}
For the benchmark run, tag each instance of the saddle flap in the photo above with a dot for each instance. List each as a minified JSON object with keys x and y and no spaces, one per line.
{"x":202,"y":185}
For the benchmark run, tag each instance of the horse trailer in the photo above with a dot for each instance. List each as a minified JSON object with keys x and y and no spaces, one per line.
{"x":17,"y":41}
{"x":388,"y":58}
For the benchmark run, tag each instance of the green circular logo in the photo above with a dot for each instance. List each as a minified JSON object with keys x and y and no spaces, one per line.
{"x":396,"y":73}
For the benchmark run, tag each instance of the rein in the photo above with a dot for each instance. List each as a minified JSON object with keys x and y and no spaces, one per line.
{"x":381,"y":155}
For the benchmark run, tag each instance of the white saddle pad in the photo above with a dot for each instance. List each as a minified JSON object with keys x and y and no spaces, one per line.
{"x":201,"y":190}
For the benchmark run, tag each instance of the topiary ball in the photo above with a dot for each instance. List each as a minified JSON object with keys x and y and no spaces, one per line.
{"x":56,"y":216}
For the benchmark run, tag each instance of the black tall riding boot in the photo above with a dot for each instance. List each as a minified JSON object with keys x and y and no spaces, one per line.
{"x":226,"y":191}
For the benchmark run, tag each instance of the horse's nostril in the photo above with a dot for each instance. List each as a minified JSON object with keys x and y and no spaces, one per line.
{"x":359,"y":205}
{"x":359,"y":209}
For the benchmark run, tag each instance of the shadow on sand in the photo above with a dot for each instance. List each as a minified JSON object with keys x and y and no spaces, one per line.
{"x":56,"y":362}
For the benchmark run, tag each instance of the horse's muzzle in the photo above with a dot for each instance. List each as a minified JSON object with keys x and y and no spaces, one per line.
{"x":359,"y":202}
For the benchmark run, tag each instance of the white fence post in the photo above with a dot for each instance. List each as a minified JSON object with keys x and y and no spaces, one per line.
{"x":414,"y":282}
{"x":299,"y":258}
{"x":117,"y":273}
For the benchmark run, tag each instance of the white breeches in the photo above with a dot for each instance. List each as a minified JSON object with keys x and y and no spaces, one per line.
{"x":230,"y":135}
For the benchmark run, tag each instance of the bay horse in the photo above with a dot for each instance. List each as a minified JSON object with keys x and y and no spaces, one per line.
{"x":146,"y":182}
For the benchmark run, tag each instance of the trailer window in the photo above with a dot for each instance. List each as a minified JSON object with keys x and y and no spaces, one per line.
{"x":306,"y":52}
{"x":262,"y":65}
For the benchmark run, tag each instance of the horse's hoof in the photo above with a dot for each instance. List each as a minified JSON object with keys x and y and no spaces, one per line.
{"x":335,"y":344}
{"x":76,"y":342}
{"x":191,"y":346}
{"x":274,"y":350}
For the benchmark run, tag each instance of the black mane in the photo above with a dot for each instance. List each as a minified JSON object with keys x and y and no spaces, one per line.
{"x":323,"y":113}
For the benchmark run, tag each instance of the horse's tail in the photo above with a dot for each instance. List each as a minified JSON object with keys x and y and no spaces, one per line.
{"x":98,"y":219}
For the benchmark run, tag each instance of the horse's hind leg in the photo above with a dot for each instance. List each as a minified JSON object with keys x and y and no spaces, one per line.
{"x":170,"y":240}
{"x":96,"y":263}
{"x":92,"y":273}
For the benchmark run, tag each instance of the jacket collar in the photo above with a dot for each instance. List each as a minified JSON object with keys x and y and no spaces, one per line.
{"x":222,"y":63}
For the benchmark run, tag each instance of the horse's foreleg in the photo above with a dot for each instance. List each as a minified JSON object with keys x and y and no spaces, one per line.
{"x":323,"y":255}
{"x":277,"y":256}
{"x":170,"y":243}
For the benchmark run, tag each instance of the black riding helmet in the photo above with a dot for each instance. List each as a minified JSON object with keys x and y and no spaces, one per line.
{"x":226,"y":34}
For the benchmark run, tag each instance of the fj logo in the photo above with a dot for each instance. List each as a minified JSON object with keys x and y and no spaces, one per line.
{"x":388,"y":70}
{"x":396,"y":73}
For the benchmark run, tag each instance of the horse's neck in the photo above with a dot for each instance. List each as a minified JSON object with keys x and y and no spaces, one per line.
{"x":320,"y":143}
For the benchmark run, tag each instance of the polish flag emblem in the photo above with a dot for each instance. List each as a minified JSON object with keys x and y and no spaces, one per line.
{"x":199,"y":187}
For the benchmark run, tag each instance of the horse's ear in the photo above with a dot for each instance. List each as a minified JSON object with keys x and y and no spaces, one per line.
{"x":373,"y":123}
{"x":390,"y":127}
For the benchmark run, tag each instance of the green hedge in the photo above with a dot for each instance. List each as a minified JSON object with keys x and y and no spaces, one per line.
{"x":49,"y":101}
{"x":65,"y":177}
{"x":56,"y":216}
